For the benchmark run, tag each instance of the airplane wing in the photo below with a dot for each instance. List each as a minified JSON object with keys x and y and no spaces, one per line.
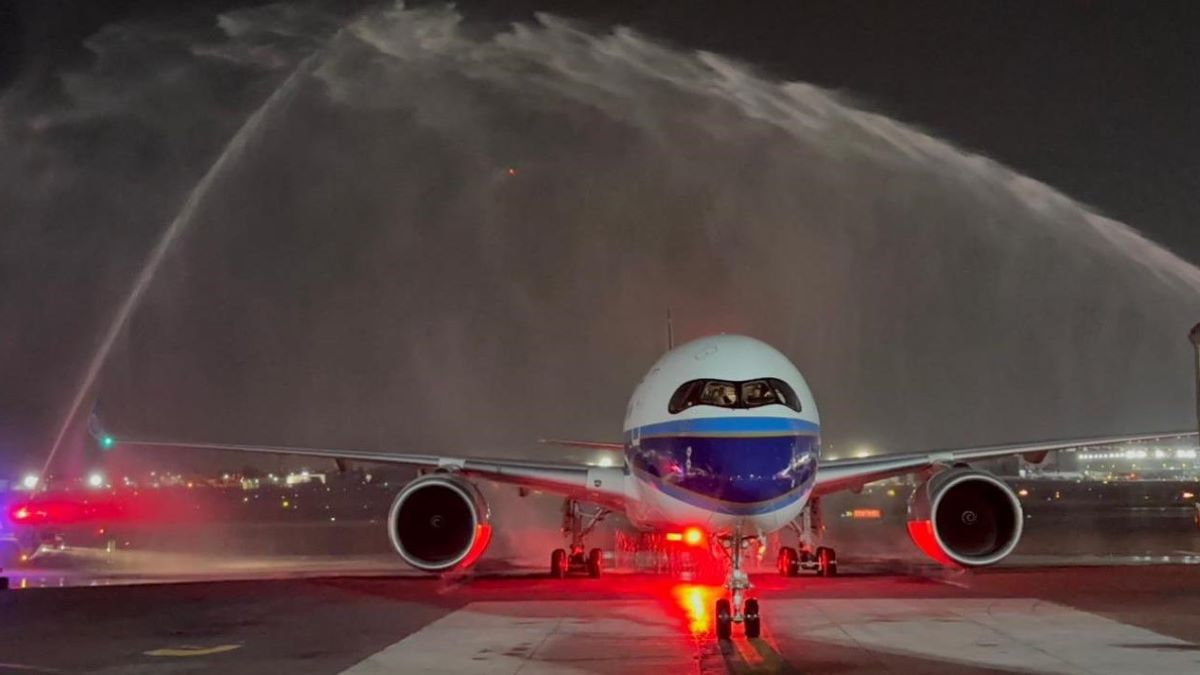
{"x":851,"y":474}
{"x":593,"y":445}
{"x":601,"y":485}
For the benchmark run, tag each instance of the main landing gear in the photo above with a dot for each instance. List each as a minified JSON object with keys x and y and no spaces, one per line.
{"x":577,"y":524}
{"x":737,"y":608}
{"x":821,"y":558}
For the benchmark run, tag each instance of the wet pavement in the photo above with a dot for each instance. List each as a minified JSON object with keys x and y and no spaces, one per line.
{"x":1062,"y":618}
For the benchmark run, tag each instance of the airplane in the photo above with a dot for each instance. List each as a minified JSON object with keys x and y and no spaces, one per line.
{"x":721,"y":437}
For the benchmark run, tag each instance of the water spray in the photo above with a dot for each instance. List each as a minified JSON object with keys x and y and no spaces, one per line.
{"x":233,"y":149}
{"x":1194,"y":336}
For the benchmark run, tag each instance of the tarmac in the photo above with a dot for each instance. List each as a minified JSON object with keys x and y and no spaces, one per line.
{"x":1060,"y":615}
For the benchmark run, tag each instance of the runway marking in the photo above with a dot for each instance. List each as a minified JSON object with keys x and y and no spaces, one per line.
{"x":951,"y":582}
{"x":848,"y":635}
{"x":24,"y":668}
{"x":188,"y":650}
{"x":543,"y":637}
{"x":1022,"y":634}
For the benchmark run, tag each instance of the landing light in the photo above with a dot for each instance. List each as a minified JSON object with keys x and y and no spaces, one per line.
{"x":95,"y":480}
{"x":692,"y":536}
{"x":30,"y":481}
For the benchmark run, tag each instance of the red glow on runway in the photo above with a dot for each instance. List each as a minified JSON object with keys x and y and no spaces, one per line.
{"x":697,"y":602}
{"x":49,"y":512}
{"x":67,"y":507}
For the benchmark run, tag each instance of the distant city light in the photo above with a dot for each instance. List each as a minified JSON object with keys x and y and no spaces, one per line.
{"x":95,"y":479}
{"x":1022,"y":492}
{"x":30,"y":481}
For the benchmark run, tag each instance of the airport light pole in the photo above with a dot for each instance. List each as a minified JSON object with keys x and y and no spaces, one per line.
{"x":1194,"y":336}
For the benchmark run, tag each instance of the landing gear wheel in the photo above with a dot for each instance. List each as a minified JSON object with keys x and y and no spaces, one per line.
{"x":724,"y":620}
{"x":789,"y":564}
{"x":594,"y":563}
{"x":826,"y":562}
{"x":558,"y":564}
{"x":753,"y":626}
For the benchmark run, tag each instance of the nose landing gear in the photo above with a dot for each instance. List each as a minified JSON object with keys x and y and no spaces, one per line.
{"x":737,"y":608}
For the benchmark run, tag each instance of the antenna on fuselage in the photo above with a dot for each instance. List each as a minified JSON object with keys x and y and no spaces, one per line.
{"x":670,"y":332}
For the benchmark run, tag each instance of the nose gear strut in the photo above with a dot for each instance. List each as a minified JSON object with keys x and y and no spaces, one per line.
{"x":737,"y":608}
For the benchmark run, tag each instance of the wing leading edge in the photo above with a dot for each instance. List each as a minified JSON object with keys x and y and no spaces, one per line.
{"x":602,"y":485}
{"x":848,"y":474}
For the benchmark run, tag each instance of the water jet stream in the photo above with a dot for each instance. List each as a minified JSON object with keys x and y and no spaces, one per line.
{"x":233,"y":149}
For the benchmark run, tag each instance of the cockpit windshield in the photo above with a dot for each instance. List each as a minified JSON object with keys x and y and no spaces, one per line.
{"x":726,"y":394}
{"x":722,"y":394}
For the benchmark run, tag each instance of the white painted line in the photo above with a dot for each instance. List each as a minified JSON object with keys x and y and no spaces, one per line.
{"x":542,"y":637}
{"x":1023,"y":634}
{"x":862,"y":634}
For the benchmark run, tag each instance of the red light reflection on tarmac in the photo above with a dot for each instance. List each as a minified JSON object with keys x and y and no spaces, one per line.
{"x":697,"y":602}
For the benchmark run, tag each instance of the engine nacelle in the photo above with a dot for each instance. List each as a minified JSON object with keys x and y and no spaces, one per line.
{"x":440,"y":522}
{"x":963,"y":517}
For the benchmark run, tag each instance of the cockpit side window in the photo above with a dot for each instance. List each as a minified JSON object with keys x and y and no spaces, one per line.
{"x":758,"y":392}
{"x":686,"y":396}
{"x":725,"y":394}
{"x":785,"y":394}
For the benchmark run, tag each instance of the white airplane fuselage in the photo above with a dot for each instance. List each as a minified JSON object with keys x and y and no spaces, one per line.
{"x":738,"y":463}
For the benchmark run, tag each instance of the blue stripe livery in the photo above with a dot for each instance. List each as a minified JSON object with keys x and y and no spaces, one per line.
{"x":734,"y":465}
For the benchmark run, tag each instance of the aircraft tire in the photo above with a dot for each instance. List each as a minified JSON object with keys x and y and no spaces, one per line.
{"x":595,"y":563}
{"x":788,"y":562}
{"x":724,"y":620}
{"x":558,"y":564}
{"x":826,"y":562}
{"x":753,"y":622}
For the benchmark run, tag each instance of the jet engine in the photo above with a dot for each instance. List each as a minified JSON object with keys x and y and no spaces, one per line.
{"x":963,"y":517}
{"x":440,"y":522}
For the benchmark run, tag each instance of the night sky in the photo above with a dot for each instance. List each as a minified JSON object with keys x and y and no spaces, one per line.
{"x":1097,"y":100}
